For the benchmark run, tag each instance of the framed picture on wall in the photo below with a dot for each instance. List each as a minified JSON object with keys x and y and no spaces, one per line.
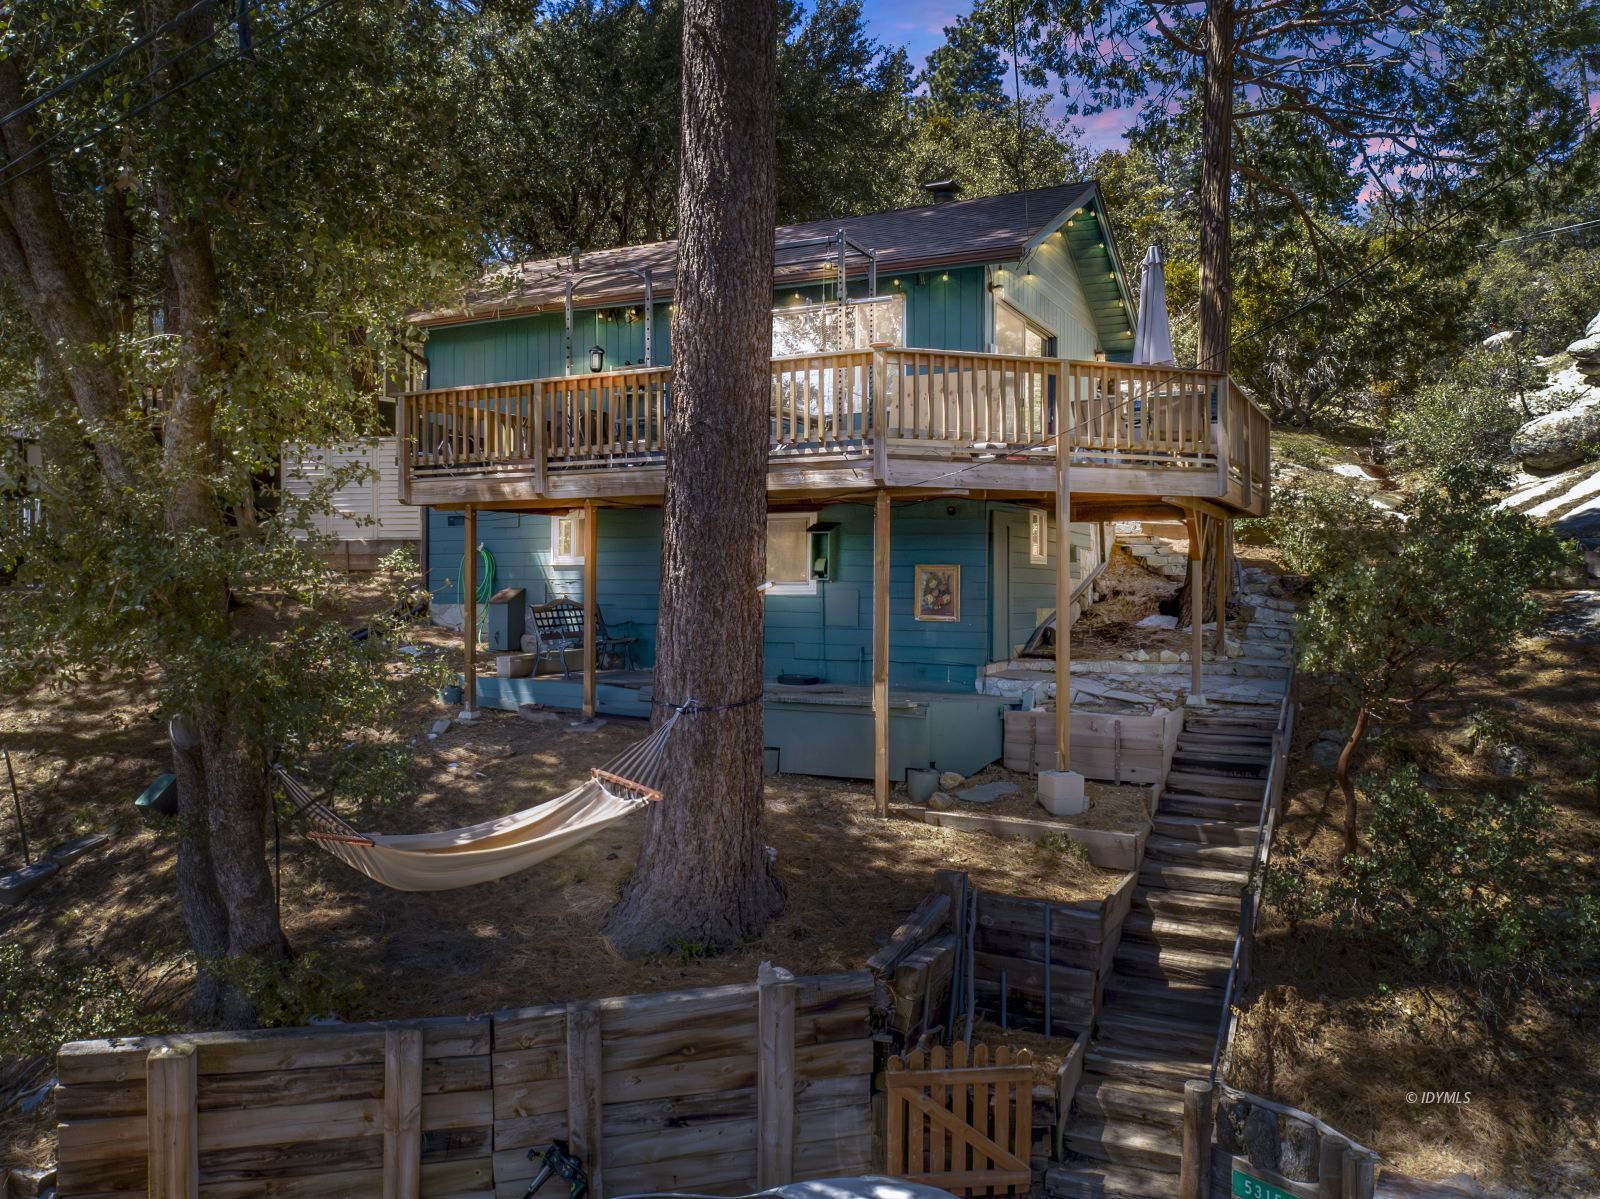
{"x":938,"y":593}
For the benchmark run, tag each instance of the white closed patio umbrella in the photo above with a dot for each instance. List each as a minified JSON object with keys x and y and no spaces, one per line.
{"x":1152,"y":335}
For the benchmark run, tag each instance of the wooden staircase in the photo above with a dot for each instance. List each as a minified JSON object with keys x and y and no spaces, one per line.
{"x":1164,"y":997}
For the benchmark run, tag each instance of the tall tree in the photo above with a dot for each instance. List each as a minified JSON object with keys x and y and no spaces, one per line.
{"x":1419,"y":100}
{"x":198,"y":290}
{"x":703,"y":877}
{"x":577,"y":141}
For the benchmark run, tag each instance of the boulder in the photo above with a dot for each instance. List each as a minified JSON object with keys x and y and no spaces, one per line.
{"x":950,"y":780}
{"x":1561,"y":438}
{"x":941,"y":801}
{"x":1503,"y":340}
{"x":1261,"y":1143}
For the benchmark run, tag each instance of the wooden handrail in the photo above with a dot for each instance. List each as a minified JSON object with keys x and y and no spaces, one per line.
{"x":855,"y":403}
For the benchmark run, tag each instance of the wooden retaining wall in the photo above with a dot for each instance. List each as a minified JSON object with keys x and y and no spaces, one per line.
{"x":1110,"y":747}
{"x":666,"y":1091}
{"x":1011,"y":950}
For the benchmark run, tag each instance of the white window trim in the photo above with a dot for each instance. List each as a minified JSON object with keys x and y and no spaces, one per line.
{"x":1043,"y":519}
{"x":809,"y":586}
{"x":556,"y":557}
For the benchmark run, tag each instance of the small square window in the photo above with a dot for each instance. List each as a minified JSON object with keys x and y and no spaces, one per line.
{"x":566,"y":539}
{"x":1038,"y":538}
{"x":789,"y":554}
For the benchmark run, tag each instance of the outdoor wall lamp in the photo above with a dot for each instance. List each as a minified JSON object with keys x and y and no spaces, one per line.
{"x":597,"y":358}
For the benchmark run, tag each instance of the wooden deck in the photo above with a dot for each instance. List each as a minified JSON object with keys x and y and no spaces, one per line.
{"x":907,"y":419}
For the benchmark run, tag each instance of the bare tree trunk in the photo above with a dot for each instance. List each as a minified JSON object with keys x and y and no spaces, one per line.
{"x":703,"y":878}
{"x":1216,"y":189}
{"x":204,"y":916}
{"x":1352,"y":834}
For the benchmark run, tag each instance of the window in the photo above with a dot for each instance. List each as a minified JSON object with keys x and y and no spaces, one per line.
{"x":789,"y":554}
{"x":566,"y":539}
{"x":1016,"y":334}
{"x":1038,"y":538}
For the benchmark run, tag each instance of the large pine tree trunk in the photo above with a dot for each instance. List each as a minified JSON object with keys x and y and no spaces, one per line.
{"x":1216,"y":189}
{"x":703,"y":878}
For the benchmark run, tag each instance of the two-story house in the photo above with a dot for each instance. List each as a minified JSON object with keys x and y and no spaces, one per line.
{"x":931,"y":355}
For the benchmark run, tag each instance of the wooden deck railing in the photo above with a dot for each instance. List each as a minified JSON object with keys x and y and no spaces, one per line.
{"x":842,"y":404}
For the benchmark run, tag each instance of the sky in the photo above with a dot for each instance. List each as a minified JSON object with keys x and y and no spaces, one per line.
{"x":918,"y":25}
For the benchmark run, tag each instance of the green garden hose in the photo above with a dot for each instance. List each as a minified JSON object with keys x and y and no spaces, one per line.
{"x":485,"y":586}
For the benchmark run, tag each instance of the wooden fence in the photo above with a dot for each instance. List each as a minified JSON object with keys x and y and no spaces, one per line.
{"x":722,"y":1089}
{"x":959,"y":1124}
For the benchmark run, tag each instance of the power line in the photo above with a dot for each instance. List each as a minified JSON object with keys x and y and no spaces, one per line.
{"x":137,"y":110}
{"x":105,"y":63}
{"x":1506,"y":241}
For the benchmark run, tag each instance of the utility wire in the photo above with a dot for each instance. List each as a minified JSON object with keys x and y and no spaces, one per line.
{"x":1506,"y":241}
{"x":105,"y":63}
{"x":225,"y":60}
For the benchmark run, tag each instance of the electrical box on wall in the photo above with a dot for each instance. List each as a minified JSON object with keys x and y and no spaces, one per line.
{"x":824,"y":537}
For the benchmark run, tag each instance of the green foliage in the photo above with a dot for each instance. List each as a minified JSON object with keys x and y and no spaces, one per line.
{"x":49,"y":999}
{"x":1458,"y":430}
{"x":1399,"y":606}
{"x":1544,"y":286}
{"x":297,"y":990}
{"x":1462,"y":884}
{"x":1058,"y":849}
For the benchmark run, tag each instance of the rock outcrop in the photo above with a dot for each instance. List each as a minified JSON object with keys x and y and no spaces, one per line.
{"x":1586,"y":352}
{"x":1569,"y":435}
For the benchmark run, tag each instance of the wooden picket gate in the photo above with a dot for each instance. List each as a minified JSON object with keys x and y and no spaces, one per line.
{"x":962,"y":1125}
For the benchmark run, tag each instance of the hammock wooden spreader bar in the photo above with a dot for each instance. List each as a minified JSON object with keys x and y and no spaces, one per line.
{"x":495,"y":848}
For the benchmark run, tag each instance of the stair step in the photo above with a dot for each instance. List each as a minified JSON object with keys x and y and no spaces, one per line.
{"x":1175,"y":965}
{"x":1233,"y":722}
{"x":1215,"y":786}
{"x":1210,"y":807}
{"x":1186,"y":852}
{"x":1101,"y":1098}
{"x":1157,"y":1070}
{"x":1166,"y":1034}
{"x":1205,"y":832}
{"x":1103,"y":1180}
{"x":1212,"y":879}
{"x":1188,"y":905}
{"x":1126,"y":1144}
{"x":1188,"y":1001}
{"x":1230,"y":758}
{"x":1212,"y":933}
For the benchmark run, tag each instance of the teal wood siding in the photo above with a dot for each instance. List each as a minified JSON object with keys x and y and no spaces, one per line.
{"x":534,"y":347}
{"x":1032,"y":585}
{"x":1053,"y":295}
{"x":828,"y":634}
{"x":944,"y":311}
{"x":630,"y":557}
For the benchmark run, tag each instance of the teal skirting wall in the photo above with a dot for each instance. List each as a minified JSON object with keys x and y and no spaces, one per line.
{"x":828,"y":634}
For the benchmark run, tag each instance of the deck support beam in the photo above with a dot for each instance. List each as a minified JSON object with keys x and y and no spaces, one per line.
{"x":591,"y":604}
{"x":1063,"y":609}
{"x":880,"y":652}
{"x":1224,"y":536}
{"x":469,"y":615}
{"x":1197,"y":603}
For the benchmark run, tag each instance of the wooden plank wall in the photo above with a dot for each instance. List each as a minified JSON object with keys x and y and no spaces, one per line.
{"x":654,"y":1092}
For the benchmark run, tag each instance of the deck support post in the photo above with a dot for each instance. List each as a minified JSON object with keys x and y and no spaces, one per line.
{"x":591,"y":583}
{"x":1194,"y":1173}
{"x":1063,"y":604}
{"x":880,"y":652}
{"x":1197,"y":604}
{"x":469,"y":616}
{"x":1224,"y":535}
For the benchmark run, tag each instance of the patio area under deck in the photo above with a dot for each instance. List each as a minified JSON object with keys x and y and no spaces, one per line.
{"x":852,"y":421}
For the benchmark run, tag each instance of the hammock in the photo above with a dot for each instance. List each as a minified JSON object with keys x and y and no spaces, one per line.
{"x":478,"y":853}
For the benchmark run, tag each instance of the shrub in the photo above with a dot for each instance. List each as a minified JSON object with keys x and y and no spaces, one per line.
{"x":1461,"y":884}
{"x":47,"y":1001}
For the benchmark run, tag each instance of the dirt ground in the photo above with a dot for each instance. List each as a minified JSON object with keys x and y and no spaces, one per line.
{"x":1125,"y":807}
{"x":1349,"y":1032}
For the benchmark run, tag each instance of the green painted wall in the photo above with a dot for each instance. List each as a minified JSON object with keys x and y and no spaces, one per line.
{"x":944,"y":310}
{"x":828,"y":634}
